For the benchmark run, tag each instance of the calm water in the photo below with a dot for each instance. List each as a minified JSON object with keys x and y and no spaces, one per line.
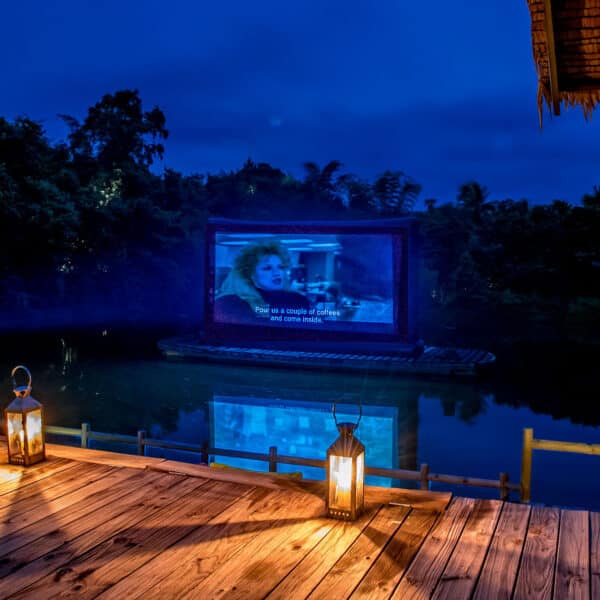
{"x":460,"y":428}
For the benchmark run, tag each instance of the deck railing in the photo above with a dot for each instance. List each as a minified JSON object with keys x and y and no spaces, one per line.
{"x":273,"y":458}
{"x":530,"y":444}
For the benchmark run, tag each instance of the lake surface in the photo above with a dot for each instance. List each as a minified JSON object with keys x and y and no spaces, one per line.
{"x":469,"y":428}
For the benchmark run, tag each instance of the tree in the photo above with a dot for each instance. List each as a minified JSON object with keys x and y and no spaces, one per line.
{"x":430,"y":203}
{"x":592,"y":201}
{"x":358,"y":194}
{"x":472,"y":198}
{"x":320,"y":185}
{"x":38,"y":219}
{"x":395,"y":193}
{"x":117,"y":135}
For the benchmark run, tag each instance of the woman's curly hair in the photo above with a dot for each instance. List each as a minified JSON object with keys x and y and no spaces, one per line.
{"x":240,"y":282}
{"x":249,"y":257}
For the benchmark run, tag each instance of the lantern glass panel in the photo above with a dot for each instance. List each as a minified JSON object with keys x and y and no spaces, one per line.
{"x":33,"y":425}
{"x":340,"y":490}
{"x":16,"y":434}
{"x":360,"y":478}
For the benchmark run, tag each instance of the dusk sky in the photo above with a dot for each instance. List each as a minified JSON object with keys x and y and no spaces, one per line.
{"x":443,"y":91}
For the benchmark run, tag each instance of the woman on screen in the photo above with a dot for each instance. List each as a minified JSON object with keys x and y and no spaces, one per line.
{"x":257,"y":287}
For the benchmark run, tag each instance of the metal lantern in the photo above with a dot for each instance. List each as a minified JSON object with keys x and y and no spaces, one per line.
{"x":24,"y":425}
{"x":345,"y":473}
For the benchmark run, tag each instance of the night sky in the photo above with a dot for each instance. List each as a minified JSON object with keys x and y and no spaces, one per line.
{"x":443,"y":91}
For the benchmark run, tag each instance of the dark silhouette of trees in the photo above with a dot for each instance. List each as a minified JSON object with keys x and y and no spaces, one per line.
{"x":504,"y":271}
{"x":395,"y":194}
{"x":116,"y":143}
{"x":38,"y":218}
{"x":88,"y":232}
{"x":320,"y":186}
{"x":118,"y":133}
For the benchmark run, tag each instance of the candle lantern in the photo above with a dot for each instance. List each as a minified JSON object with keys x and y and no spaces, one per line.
{"x":24,"y":425}
{"x":345,"y":472}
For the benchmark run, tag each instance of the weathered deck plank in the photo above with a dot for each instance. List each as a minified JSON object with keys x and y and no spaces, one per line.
{"x":419,"y":499}
{"x":572,"y":576}
{"x":192,"y":559}
{"x":107,"y":563}
{"x":425,"y":500}
{"x":16,"y":478}
{"x":499,"y":572}
{"x":595,"y":555}
{"x":29,"y":527}
{"x":85,"y":530}
{"x":460,"y":575}
{"x":102,"y":457}
{"x":307,"y":574}
{"x":48,"y":511}
{"x":29,"y":564}
{"x":70,"y":472}
{"x":348,"y":571}
{"x":43,"y":503}
{"x":389,"y":568}
{"x":294,"y":527}
{"x":536,"y":573}
{"x":270,"y":566}
{"x":423,"y":574}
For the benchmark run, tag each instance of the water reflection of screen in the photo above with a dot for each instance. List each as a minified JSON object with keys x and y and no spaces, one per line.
{"x":298,"y":428}
{"x":338,"y":282}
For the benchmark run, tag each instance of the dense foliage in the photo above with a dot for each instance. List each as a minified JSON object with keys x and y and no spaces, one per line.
{"x":90,"y":234}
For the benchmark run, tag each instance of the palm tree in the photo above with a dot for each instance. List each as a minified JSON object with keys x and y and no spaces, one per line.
{"x":320,"y":184}
{"x":395,"y":193}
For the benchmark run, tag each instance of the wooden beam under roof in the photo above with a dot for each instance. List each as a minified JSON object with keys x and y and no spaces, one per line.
{"x":551,"y":46}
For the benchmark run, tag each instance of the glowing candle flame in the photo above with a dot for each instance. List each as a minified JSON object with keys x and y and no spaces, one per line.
{"x":341,"y":474}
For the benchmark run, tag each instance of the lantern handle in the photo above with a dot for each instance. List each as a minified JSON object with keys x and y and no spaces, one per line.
{"x":22,"y":367}
{"x":359,"y":415}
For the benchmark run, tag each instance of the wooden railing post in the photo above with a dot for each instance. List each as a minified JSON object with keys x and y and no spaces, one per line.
{"x":85,"y":428}
{"x":141,"y":446}
{"x":503,"y":486}
{"x":273,"y":459}
{"x":526,"y":465}
{"x":424,"y":476}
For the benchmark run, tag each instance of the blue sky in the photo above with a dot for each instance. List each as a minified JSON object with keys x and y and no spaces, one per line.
{"x":445,"y":92}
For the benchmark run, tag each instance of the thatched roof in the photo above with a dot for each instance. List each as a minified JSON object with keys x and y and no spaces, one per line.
{"x":566,"y":50}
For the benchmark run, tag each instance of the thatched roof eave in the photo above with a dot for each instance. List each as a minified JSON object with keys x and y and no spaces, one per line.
{"x":566,"y":50}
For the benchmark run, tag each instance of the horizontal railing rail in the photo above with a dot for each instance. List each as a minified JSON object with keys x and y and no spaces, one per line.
{"x":273,"y":458}
{"x":530,"y":444}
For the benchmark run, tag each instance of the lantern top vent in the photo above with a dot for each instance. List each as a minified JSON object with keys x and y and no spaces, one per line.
{"x":347,"y":429}
{"x":21,"y":391}
{"x":23,"y":402}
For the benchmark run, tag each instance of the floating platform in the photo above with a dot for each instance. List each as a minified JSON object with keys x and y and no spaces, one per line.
{"x":433,"y":360}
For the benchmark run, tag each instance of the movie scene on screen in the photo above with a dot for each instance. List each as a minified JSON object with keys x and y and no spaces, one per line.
{"x":329,"y":281}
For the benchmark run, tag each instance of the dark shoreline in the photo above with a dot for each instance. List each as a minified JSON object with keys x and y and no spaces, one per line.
{"x":520,"y":362}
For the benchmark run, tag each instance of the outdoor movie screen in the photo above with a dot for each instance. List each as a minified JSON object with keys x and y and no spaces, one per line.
{"x":328,"y":281}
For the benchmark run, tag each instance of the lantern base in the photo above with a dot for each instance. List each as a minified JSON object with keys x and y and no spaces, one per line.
{"x":342,"y":515}
{"x":26,"y":461}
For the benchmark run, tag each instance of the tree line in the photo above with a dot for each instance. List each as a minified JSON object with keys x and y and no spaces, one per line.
{"x":90,"y":233}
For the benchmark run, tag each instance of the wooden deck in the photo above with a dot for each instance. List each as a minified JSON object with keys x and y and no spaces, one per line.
{"x":97,"y":524}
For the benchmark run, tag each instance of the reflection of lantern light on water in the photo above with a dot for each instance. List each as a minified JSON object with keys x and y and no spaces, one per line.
{"x":24,"y":425}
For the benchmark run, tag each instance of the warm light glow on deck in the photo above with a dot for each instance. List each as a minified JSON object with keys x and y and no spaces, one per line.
{"x":8,"y":473}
